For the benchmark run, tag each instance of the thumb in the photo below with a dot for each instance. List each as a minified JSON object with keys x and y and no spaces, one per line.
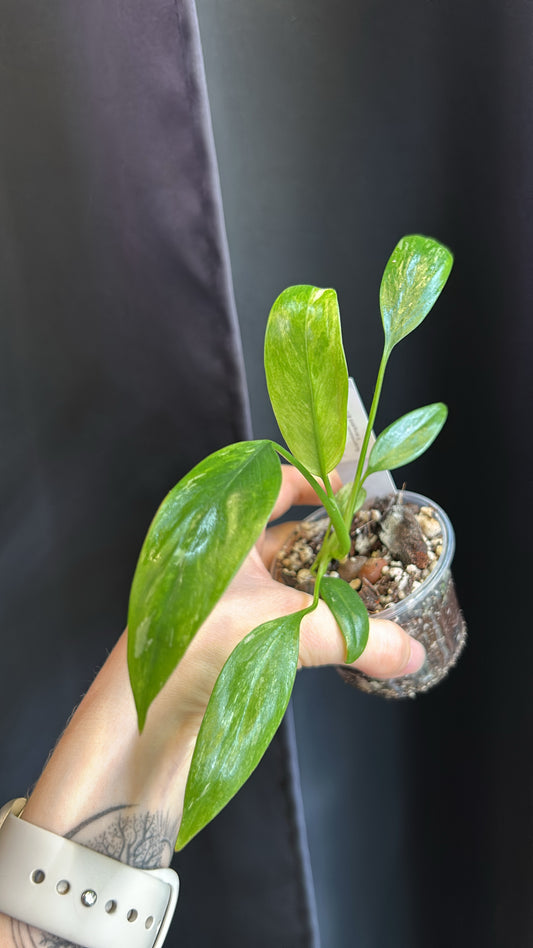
{"x":389,"y":652}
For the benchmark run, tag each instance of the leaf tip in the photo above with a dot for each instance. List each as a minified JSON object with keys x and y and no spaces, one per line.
{"x":183,"y":839}
{"x":141,"y":718}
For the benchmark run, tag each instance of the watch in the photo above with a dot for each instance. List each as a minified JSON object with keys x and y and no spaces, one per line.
{"x":68,"y":890}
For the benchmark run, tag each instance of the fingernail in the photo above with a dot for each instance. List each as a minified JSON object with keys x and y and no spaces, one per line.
{"x":416,"y":658}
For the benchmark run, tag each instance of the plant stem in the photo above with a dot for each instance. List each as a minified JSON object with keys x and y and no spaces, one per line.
{"x":326,"y":496}
{"x":322,"y":567}
{"x":329,"y":489}
{"x":358,"y":479}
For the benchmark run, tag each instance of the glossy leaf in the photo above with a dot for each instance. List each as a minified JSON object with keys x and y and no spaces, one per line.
{"x":245,"y":710}
{"x":350,"y":614}
{"x":414,"y":277}
{"x":198,"y":539}
{"x":407,"y":438}
{"x":307,"y":376}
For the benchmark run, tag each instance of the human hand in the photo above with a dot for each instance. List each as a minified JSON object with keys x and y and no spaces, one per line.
{"x":254,"y":597}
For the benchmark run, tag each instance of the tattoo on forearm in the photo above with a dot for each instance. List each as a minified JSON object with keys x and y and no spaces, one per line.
{"x":137,"y":837}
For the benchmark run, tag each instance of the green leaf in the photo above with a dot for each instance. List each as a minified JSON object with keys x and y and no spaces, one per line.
{"x":407,"y":438}
{"x":307,"y":376}
{"x":198,"y":539}
{"x":245,"y":710}
{"x":414,"y":277}
{"x":350,"y":614}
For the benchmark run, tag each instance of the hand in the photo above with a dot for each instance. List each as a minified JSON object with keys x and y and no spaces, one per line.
{"x":254,"y":596}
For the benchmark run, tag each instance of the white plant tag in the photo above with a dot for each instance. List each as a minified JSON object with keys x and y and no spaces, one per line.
{"x":377,"y":485}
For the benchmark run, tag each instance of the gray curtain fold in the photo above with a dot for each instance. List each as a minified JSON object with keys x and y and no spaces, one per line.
{"x":120,"y":367}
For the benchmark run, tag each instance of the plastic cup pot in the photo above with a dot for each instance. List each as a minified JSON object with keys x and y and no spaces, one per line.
{"x":428,"y":608}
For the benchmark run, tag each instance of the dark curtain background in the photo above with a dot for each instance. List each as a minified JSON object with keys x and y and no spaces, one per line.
{"x":340,"y":126}
{"x":120,"y":367}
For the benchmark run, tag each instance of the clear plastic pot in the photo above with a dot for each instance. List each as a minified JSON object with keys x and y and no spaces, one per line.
{"x":430,"y":613}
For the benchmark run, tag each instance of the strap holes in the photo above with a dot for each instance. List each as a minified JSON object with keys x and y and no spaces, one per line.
{"x":132,"y":915}
{"x":111,"y":906}
{"x":88,"y":898}
{"x":62,"y":887}
{"x":37,"y":876}
{"x":149,"y":922}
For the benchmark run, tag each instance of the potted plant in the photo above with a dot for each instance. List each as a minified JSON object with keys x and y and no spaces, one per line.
{"x":216,"y":513}
{"x":400,"y":564}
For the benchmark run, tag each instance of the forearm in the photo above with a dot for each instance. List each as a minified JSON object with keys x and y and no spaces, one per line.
{"x":101,"y":760}
{"x":109,"y":788}
{"x":117,"y":791}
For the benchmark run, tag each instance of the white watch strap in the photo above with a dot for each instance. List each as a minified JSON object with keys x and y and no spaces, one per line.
{"x":68,"y":890}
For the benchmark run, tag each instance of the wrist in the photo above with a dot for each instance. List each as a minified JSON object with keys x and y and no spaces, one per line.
{"x":52,"y":884}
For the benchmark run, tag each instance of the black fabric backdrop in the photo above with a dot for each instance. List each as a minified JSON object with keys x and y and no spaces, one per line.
{"x":339,"y":126}
{"x":120,"y":368}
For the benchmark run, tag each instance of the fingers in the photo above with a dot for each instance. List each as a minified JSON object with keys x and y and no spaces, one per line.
{"x":390,"y":651}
